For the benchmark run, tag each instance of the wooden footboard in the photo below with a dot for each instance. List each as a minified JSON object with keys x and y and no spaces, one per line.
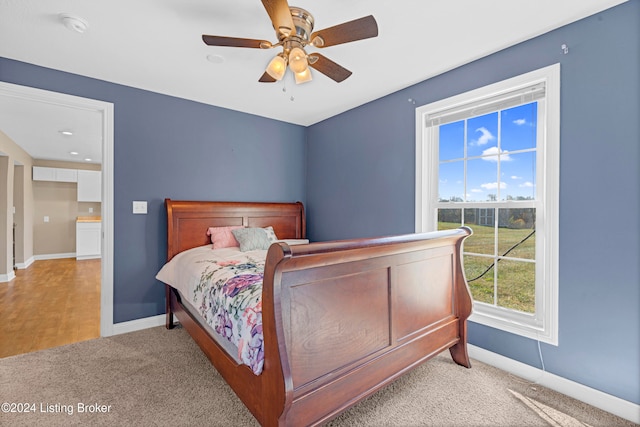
{"x":347,"y":318}
{"x":340,"y":319}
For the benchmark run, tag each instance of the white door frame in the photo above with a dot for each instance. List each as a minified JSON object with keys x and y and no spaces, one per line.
{"x":106,"y":110}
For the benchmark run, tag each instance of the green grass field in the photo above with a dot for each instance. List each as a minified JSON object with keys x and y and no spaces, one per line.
{"x":516,"y":279}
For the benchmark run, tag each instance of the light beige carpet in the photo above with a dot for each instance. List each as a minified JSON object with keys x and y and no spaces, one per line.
{"x":131,"y":379}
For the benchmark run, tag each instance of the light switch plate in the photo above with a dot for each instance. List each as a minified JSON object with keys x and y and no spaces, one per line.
{"x":139,"y":207}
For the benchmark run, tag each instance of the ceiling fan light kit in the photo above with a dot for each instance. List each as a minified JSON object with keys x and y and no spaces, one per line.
{"x":277,"y":67}
{"x":303,"y":77}
{"x":298,"y":60}
{"x":294,"y":29}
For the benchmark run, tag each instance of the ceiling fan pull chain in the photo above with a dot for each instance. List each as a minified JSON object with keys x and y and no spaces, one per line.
{"x":284,"y":90}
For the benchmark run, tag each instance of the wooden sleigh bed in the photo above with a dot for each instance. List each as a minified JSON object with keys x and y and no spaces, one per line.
{"x":340,"y":319}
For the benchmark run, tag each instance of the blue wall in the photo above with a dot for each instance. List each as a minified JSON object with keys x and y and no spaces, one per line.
{"x":360,"y":183}
{"x":170,"y":147}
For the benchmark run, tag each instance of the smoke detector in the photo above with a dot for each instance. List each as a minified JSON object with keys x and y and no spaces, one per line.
{"x":74,"y":23}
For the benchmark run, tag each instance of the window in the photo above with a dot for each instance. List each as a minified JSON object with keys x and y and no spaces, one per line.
{"x":489,"y":159}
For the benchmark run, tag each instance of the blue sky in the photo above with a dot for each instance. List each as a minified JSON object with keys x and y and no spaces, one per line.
{"x":500,"y":143}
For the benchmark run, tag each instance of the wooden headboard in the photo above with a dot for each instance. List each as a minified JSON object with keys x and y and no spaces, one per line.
{"x":188,"y":221}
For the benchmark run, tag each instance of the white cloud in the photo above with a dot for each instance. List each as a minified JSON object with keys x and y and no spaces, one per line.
{"x":516,"y":177}
{"x":486,"y":136}
{"x":493,"y":185}
{"x":520,"y":122}
{"x":492,"y":154}
{"x":477,"y":190}
{"x":527,"y":184}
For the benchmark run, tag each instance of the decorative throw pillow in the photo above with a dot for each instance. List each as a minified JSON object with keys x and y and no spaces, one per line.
{"x":251,"y":238}
{"x":271,"y":235}
{"x":222,"y":237}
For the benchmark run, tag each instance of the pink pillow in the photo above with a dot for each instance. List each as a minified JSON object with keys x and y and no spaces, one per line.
{"x":222,"y":237}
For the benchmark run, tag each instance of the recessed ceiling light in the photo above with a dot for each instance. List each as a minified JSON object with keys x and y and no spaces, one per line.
{"x":87,"y":159}
{"x":74,"y":23}
{"x":73,"y":153}
{"x":66,"y":132}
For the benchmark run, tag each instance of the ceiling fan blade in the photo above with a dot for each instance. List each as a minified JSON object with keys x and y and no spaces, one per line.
{"x":266,"y":78}
{"x":235,"y":42}
{"x":280,"y":15}
{"x":329,"y":68}
{"x":357,"y":29}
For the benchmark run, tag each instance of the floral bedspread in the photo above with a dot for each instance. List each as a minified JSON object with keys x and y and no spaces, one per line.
{"x":225,"y":287}
{"x":229,"y":297}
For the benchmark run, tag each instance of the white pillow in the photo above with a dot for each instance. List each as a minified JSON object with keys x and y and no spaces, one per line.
{"x":293,"y":242}
{"x":271,"y":235}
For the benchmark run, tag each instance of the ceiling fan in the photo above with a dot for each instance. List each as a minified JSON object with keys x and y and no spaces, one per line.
{"x":294,"y":29}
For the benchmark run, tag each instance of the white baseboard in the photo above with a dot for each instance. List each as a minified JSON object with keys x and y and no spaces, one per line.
{"x":54,"y":256}
{"x":25,"y":265}
{"x":83,"y":257}
{"x":28,"y":262}
{"x":612,"y":404}
{"x":138,"y":324}
{"x":7,"y":277}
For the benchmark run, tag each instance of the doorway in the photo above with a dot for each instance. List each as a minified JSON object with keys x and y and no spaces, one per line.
{"x":105,"y":110}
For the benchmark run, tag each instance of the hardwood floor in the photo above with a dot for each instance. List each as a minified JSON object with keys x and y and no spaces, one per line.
{"x":51,"y":303}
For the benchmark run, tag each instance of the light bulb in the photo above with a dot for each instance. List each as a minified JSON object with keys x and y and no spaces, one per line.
{"x":298,"y":60}
{"x":303,"y":77}
{"x":277,"y":67}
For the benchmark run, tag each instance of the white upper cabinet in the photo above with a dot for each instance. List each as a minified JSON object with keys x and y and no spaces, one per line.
{"x":89,"y":186}
{"x":89,"y":182}
{"x":54,"y":174}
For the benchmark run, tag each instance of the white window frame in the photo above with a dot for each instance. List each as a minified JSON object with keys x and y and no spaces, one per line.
{"x":543,"y":325}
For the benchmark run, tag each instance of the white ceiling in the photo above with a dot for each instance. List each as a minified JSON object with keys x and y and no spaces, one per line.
{"x":156,"y":45}
{"x":37,"y":125}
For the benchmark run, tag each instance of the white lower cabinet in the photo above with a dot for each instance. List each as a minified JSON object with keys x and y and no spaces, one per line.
{"x":88,"y":240}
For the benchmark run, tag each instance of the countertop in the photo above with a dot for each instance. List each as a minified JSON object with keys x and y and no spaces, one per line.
{"x":89,"y":219}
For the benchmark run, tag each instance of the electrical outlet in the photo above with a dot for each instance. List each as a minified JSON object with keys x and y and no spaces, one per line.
{"x":139,"y":207}
{"x":46,"y":219}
